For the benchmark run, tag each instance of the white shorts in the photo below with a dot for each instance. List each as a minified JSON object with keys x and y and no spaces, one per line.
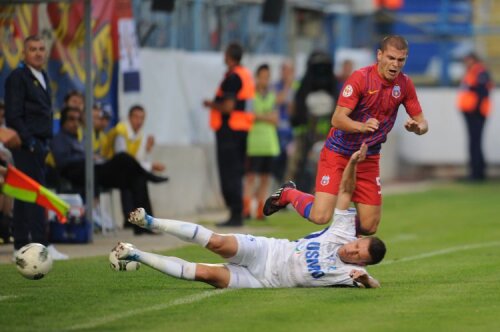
{"x":248,"y":266}
{"x":240,"y":277}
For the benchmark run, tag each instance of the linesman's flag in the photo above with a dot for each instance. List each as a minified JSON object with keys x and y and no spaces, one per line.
{"x":22,"y":187}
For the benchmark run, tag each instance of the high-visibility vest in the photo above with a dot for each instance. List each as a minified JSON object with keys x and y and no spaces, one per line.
{"x":132,"y":145}
{"x":389,"y":4}
{"x":468,"y":100}
{"x":238,"y":119}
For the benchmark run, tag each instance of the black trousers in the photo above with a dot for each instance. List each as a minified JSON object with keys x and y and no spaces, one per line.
{"x":477,"y":165}
{"x":121,"y":172}
{"x":231,"y":154}
{"x":29,"y":220}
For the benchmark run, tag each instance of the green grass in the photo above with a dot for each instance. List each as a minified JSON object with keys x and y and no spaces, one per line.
{"x":453,"y":290}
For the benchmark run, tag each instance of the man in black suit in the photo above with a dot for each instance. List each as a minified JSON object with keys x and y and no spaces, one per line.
{"x":28,"y":110}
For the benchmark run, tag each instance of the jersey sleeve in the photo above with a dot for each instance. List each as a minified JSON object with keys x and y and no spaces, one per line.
{"x":344,"y":224}
{"x":411,"y":103}
{"x":352,"y":91}
{"x":231,"y":86}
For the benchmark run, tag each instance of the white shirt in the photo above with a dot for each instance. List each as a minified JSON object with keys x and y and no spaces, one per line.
{"x":314,"y":260}
{"x":39,"y":76}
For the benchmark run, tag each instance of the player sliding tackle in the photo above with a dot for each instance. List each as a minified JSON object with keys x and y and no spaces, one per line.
{"x":333,"y":256}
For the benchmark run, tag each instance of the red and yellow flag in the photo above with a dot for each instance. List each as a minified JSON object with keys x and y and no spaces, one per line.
{"x":22,"y":187}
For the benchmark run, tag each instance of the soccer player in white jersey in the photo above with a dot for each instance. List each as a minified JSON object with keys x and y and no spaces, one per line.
{"x":333,"y":256}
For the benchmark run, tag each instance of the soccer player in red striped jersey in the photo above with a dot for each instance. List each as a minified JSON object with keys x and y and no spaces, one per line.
{"x":365,"y":112}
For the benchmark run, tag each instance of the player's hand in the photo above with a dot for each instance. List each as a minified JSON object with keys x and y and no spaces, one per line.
{"x":359,"y":276}
{"x":208,"y":103}
{"x":369,"y":126}
{"x":360,"y":155}
{"x":415,"y":127}
{"x":158,"y":167}
{"x":150,"y":143}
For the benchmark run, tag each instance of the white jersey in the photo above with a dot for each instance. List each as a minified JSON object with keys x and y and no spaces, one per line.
{"x":313,"y":260}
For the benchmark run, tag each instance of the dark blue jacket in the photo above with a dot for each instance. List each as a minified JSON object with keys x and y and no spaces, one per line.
{"x":28,"y":106}
{"x":67,"y":149}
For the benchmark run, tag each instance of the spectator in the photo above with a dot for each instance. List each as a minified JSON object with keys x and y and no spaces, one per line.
{"x":75,"y":99}
{"x":128,"y":137}
{"x":122,"y":171}
{"x":28,"y":110}
{"x":285,"y":89}
{"x":314,"y":104}
{"x":262,"y":145}
{"x":345,"y":71}
{"x":6,"y":202}
{"x":474,"y":103}
{"x":231,"y":123}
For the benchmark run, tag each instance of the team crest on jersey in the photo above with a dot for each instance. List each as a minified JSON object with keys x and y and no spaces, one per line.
{"x":325,"y":180}
{"x":347,"y":91}
{"x":396,"y":91}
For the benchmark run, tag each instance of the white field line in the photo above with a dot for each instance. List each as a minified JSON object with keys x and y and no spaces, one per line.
{"x":443,"y":252}
{"x":162,"y":306}
{"x":7,"y":297}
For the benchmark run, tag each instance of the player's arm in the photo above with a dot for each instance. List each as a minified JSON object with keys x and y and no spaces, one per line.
{"x":230,"y":88}
{"x":363,"y":278}
{"x":348,"y":182}
{"x":342,"y":121}
{"x":417,"y":124}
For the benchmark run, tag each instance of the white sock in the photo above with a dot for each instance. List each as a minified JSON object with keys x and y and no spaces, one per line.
{"x":183,"y":230}
{"x":172,"y":266}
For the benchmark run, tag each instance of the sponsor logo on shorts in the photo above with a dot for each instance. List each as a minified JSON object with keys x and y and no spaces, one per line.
{"x":325,"y":180}
{"x":396,"y":91}
{"x":347,"y":91}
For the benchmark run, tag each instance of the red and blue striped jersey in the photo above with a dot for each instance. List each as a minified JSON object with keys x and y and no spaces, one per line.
{"x":369,"y":95}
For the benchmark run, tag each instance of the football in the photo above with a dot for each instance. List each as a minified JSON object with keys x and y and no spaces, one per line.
{"x":33,"y":261}
{"x":122,"y":264}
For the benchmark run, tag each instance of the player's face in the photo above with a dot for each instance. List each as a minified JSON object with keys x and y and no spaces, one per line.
{"x":390,"y":62}
{"x":355,"y":252}
{"x":263,"y":78}
{"x":137,"y":118}
{"x":34,"y":54}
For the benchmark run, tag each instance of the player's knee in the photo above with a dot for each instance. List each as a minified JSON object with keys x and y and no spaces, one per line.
{"x":369,"y":225}
{"x":320,"y":218}
{"x":209,"y":275}
{"x":224,"y":245}
{"x":216,"y":242}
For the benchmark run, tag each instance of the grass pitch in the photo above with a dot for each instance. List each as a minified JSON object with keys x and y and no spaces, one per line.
{"x":441,"y":273}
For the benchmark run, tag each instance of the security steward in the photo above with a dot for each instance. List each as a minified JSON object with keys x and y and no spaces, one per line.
{"x":231,"y":123}
{"x":474,"y":102}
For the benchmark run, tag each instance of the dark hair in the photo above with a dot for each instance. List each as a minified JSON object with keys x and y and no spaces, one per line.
{"x":262,"y":67}
{"x":2,"y":105}
{"x":396,"y":41}
{"x":472,"y":55}
{"x":65,"y":112}
{"x":32,"y":38}
{"x":235,"y":51}
{"x":376,"y":249}
{"x":135,"y":107}
{"x":72,"y":93}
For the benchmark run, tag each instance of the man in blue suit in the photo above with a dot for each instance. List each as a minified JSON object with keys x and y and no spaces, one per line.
{"x":28,"y":110}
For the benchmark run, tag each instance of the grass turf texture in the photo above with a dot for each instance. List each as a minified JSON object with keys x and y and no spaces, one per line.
{"x":456,"y":287}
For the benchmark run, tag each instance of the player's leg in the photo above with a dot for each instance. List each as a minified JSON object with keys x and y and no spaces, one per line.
{"x":319,"y":208}
{"x":248,"y":193}
{"x":369,"y":218}
{"x":224,"y":245}
{"x":368,"y":195}
{"x":215,"y":275}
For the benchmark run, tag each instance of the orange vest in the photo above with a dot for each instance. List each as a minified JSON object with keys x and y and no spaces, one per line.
{"x":389,"y":4}
{"x":238,"y":119}
{"x":467,"y":100}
